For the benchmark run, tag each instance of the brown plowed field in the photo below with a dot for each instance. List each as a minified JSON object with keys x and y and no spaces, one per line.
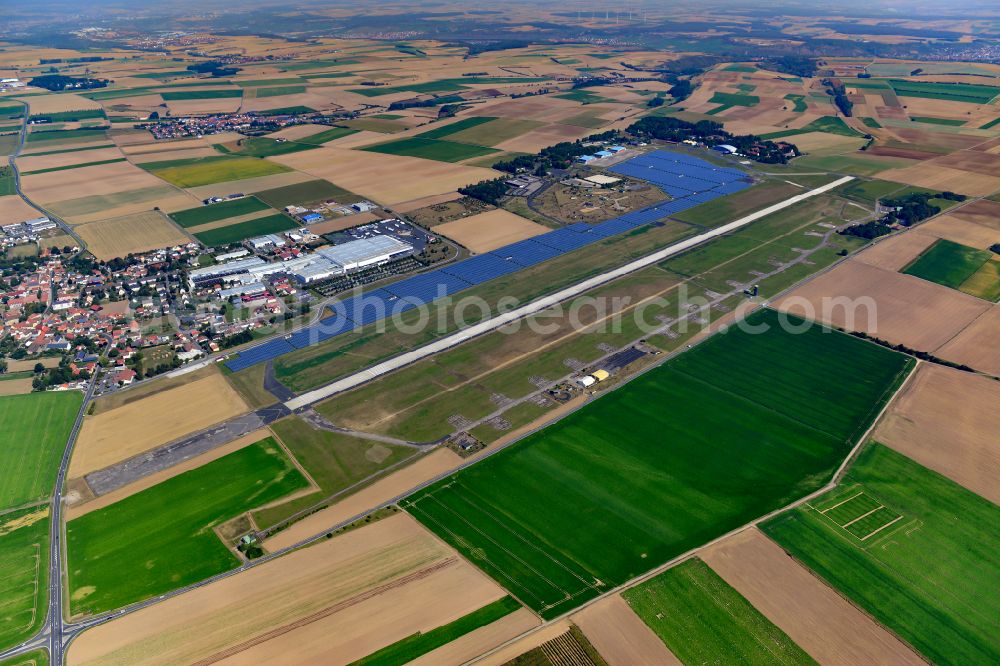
{"x":621,"y":637}
{"x":818,"y":619}
{"x":894,"y":253}
{"x":891,"y":306}
{"x":948,"y":420}
{"x":978,"y":345}
{"x":490,"y":230}
{"x":126,"y":431}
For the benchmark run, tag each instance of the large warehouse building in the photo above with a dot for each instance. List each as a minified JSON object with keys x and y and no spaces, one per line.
{"x":308,"y":269}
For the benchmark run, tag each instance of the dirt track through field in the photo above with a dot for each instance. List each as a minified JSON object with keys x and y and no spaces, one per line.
{"x":823,"y":623}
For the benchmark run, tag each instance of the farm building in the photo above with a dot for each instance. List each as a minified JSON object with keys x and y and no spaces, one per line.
{"x":725,"y":149}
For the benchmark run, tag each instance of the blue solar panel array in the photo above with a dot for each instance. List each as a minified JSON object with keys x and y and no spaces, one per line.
{"x":688,"y":179}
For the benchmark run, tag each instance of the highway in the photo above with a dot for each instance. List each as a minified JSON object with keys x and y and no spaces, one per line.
{"x":465,"y":334}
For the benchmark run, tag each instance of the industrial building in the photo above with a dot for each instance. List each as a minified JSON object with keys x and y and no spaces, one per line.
{"x":200,"y":278}
{"x":364,"y":252}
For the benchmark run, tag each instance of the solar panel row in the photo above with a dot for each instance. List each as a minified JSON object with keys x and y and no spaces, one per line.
{"x":688,"y":179}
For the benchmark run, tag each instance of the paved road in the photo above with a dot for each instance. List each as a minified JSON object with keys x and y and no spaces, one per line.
{"x":475,"y":330}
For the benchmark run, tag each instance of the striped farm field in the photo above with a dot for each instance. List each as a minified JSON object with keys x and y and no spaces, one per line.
{"x":241,"y":230}
{"x":199,"y":171}
{"x":32,"y":440}
{"x":737,"y":427}
{"x":192,"y":217}
{"x":912,"y":548}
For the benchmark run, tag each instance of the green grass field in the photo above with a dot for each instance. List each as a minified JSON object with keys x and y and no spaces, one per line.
{"x":334,"y":461}
{"x":192,"y":217}
{"x":305,"y":193}
{"x":798,"y":101}
{"x":431,"y":149}
{"x":69,"y":116}
{"x":236,"y":232}
{"x":737,"y":427}
{"x":326,"y":135}
{"x":734,"y":99}
{"x":262,"y":146}
{"x":871,"y":122}
{"x":930,"y":576}
{"x":584,"y":96}
{"x":948,"y":263}
{"x":24,"y":551}
{"x":66,"y":136}
{"x":703,"y":620}
{"x":408,"y":649}
{"x":991,"y":124}
{"x":953,"y":122}
{"x":73,"y":166}
{"x":179,"y":95}
{"x":287,"y":110}
{"x":828,"y":124}
{"x":444,"y":85}
{"x":199,"y":171}
{"x":957,"y":92}
{"x":869,"y":191}
{"x":254,"y":83}
{"x":448,"y":130}
{"x":728,"y":208}
{"x":280,"y":91}
{"x":7,"y":186}
{"x":32,"y":440}
{"x":161,"y":538}
{"x":33,"y":658}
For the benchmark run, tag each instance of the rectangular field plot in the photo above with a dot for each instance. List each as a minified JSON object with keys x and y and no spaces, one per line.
{"x":948,"y":263}
{"x":702,"y":619}
{"x":162,"y":538}
{"x":218,"y":211}
{"x":924,"y":564}
{"x":674,"y":458}
{"x":24,"y":549}
{"x":431,"y":149}
{"x":31,"y":443}
{"x":240,"y":230}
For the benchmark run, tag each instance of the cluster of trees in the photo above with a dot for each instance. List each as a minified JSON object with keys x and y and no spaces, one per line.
{"x":240,"y":338}
{"x":489,"y":191}
{"x":711,"y":133}
{"x":213,"y":67}
{"x":922,"y":355}
{"x":836,"y":88}
{"x":915,"y":207}
{"x":796,"y":65}
{"x":59,"y":82}
{"x":558,"y":156}
{"x":907,"y":210}
{"x":419,"y":103}
{"x":995,"y":248}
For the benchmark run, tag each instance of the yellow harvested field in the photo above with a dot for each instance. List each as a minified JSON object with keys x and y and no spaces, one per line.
{"x":332,"y":603}
{"x":387,"y":179}
{"x":87,"y":181}
{"x":822,"y":143}
{"x":136,"y":427}
{"x":479,"y":641}
{"x":824,"y":624}
{"x":298,"y":131}
{"x":80,"y":506}
{"x":15,"y":386}
{"x":961,"y":231}
{"x":490,"y":230}
{"x":937,"y":177}
{"x":529,"y":642}
{"x":978,"y":345}
{"x":544,"y":108}
{"x":892,"y":306}
{"x":423,"y":202}
{"x":118,"y":204}
{"x":896,"y":252}
{"x":620,"y":636}
{"x":29,"y":163}
{"x":58,"y":102}
{"x":371,"y":497}
{"x":13,"y":209}
{"x":130,"y":234}
{"x":543,"y":137}
{"x":947,"y":420}
{"x":189,"y":107}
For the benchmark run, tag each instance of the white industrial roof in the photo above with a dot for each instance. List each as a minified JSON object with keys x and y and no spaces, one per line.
{"x":364,"y":249}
